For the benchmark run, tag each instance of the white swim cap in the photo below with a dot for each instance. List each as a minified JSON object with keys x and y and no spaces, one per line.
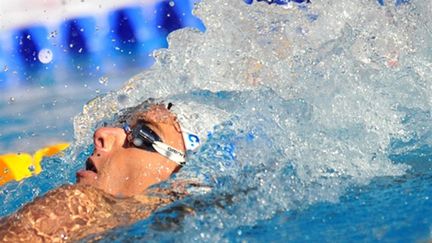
{"x":197,"y":121}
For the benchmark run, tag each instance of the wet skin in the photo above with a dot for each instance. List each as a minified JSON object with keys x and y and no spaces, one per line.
{"x":72,"y":212}
{"x":111,"y":191}
{"x":118,"y":168}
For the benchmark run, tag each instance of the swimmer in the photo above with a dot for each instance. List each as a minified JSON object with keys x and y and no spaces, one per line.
{"x":114,"y":189}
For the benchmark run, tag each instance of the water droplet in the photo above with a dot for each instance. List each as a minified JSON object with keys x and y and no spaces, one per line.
{"x":45,"y":56}
{"x":172,"y":3}
{"x":5,"y":170}
{"x":11,"y":100}
{"x":97,"y":91}
{"x":80,"y":50}
{"x":53,"y":34}
{"x":32,"y":168}
{"x":103,"y":80}
{"x":5,"y":68}
{"x":122,"y":99}
{"x":28,"y":37}
{"x":63,"y":235}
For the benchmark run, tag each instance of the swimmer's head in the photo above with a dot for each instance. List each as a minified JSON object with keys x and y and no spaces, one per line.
{"x":147,"y":145}
{"x":121,"y":167}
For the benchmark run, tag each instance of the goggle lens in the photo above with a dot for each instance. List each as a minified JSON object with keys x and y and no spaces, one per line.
{"x":143,"y":137}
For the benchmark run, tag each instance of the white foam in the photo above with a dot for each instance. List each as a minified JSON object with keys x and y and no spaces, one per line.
{"x":341,"y":74}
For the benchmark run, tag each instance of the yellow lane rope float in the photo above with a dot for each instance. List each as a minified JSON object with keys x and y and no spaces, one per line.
{"x":17,"y":166}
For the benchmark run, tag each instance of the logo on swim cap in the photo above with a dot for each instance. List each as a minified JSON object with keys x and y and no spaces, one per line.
{"x":191,"y":140}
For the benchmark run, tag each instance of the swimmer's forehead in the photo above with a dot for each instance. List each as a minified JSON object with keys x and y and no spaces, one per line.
{"x":149,"y":112}
{"x":155,"y":114}
{"x":154,"y":117}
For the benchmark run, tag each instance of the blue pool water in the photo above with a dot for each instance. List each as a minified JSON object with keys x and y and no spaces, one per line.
{"x":328,"y":135}
{"x":50,"y":70}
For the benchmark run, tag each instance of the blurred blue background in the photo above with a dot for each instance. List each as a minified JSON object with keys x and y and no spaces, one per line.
{"x":88,"y":45}
{"x":55,"y":56}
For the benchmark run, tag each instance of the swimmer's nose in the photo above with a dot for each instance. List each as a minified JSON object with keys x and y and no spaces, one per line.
{"x":106,"y":138}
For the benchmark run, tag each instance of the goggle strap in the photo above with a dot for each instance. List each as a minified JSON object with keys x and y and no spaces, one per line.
{"x":170,"y":152}
{"x":127,"y":128}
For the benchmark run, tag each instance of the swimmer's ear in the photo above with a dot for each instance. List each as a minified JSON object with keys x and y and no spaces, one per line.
{"x":178,"y":129}
{"x":177,"y":125}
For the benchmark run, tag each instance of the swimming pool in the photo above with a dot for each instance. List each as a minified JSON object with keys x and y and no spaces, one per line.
{"x":329,"y":135}
{"x":56,"y":56}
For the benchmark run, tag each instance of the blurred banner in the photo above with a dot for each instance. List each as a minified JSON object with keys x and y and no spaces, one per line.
{"x":47,"y":42}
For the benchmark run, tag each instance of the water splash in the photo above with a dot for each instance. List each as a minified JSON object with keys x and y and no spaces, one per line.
{"x":317,"y":94}
{"x":340,"y":77}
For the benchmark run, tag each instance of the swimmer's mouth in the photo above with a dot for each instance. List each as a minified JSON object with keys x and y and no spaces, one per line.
{"x":90,"y":166}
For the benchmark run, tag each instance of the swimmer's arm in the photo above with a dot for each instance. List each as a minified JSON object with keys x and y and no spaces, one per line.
{"x":69,"y":212}
{"x":72,"y":212}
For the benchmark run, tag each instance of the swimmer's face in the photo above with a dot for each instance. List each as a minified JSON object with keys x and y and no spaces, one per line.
{"x":119,"y":168}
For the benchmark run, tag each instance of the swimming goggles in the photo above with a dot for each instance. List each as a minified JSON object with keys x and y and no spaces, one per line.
{"x":143,"y":137}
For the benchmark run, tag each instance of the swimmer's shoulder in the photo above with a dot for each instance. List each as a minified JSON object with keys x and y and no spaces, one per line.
{"x":63,"y":213}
